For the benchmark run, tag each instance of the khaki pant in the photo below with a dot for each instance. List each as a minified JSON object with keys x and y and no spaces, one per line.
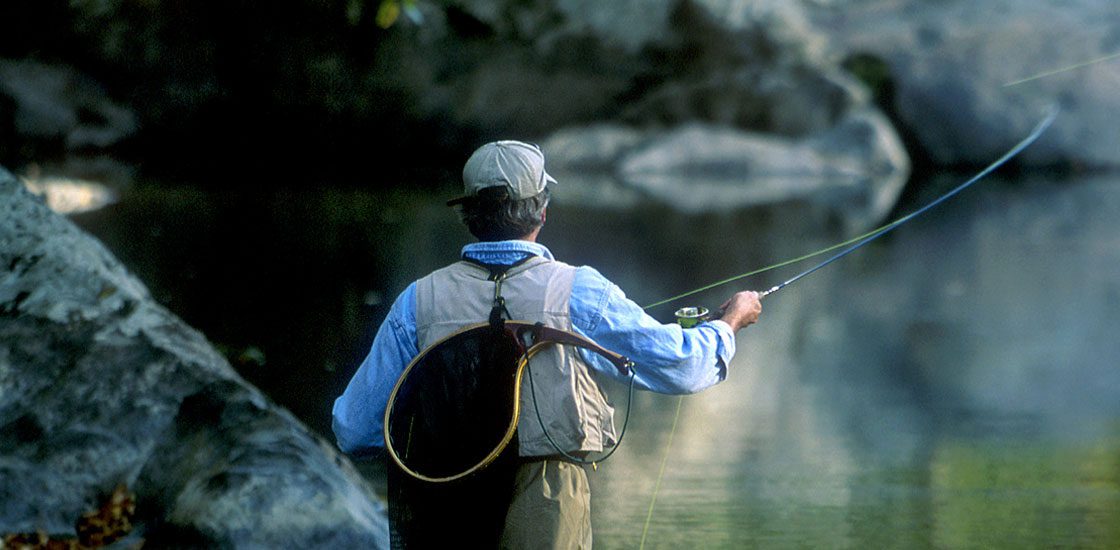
{"x":551,"y":508}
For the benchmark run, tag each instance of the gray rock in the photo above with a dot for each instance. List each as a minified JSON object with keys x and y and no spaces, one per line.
{"x":755,"y":116}
{"x":545,"y":66}
{"x":57,"y":104}
{"x":100,"y":385}
{"x":858,"y":166}
{"x":474,"y":70}
{"x":634,"y":24}
{"x":950,"y":63}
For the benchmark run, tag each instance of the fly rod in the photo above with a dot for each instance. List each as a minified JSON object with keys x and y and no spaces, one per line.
{"x":1038,"y":130}
{"x":698,"y":314}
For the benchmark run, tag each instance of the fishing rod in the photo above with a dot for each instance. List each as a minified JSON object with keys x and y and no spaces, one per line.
{"x":697,"y":314}
{"x":1034,"y":135}
{"x":870,"y":235}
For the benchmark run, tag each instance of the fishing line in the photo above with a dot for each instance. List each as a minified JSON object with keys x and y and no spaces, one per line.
{"x":575,"y":459}
{"x":768,"y":268}
{"x":862,"y":240}
{"x":1041,"y":127}
{"x":661,"y":472}
{"x":1062,"y":70}
{"x":859,"y":242}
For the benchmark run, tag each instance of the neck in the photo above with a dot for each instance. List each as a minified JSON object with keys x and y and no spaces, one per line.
{"x":530,"y":237}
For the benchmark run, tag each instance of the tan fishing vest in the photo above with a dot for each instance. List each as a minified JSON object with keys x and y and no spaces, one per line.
{"x":573,"y":408}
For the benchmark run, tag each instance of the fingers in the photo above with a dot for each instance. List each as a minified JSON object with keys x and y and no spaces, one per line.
{"x":755,"y":306}
{"x":742,"y":309}
{"x":747,"y":297}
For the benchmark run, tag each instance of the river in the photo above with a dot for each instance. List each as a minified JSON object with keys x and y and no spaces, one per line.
{"x":956,"y":384}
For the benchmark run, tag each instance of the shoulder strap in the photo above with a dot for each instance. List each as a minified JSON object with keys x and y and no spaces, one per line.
{"x":498,"y":270}
{"x":498,"y":273}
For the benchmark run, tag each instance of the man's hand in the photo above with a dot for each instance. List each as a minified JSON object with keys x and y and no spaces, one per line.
{"x":742,"y":309}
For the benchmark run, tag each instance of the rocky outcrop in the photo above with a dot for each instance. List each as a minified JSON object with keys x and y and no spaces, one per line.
{"x":547,"y":65}
{"x":101,"y":386}
{"x":851,"y":159}
{"x":859,"y":167}
{"x":56,"y":107}
{"x":953,"y":68}
{"x":340,"y":91}
{"x":454,"y":74}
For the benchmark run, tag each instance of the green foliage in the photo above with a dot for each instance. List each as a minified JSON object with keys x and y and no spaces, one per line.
{"x":391,"y":10}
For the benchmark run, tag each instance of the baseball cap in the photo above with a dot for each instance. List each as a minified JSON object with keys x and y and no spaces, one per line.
{"x":516,"y":165}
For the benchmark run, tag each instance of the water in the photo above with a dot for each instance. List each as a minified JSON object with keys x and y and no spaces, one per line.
{"x":953,"y":385}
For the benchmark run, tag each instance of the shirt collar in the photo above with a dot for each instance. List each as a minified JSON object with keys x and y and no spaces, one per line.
{"x":504,"y":252}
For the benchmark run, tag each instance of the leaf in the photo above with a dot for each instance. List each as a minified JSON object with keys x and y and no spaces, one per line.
{"x":388,"y":13}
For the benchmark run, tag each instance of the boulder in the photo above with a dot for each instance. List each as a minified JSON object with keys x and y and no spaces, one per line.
{"x":533,"y":68}
{"x":857,"y":166}
{"x":452,"y":75}
{"x":955,"y":69}
{"x":636,"y":24}
{"x":101,"y":386}
{"x":703,"y":105}
{"x":59,"y":107}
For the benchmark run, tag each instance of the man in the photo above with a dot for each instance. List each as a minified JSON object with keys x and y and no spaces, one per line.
{"x":539,"y":496}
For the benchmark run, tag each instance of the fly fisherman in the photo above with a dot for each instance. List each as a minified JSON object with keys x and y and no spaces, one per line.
{"x":545,"y":500}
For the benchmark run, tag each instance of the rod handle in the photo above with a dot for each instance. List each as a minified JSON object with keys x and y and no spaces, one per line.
{"x":766,"y":293}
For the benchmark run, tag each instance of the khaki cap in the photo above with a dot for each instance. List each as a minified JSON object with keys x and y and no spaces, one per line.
{"x":517,"y":166}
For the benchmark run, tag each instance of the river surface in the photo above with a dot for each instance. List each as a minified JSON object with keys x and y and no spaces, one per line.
{"x":954,"y":385}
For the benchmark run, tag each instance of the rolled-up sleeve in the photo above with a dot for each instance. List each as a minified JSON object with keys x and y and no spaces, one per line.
{"x":359,"y":413}
{"x":668,"y":359}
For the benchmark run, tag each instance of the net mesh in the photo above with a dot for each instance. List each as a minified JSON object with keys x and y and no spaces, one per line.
{"x":456,"y":403}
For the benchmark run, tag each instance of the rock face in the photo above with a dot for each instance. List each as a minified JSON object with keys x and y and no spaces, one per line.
{"x":850,"y":158}
{"x":463,"y":72}
{"x":740,"y":109}
{"x":99,"y":386}
{"x":340,"y":90}
{"x":859,"y":167}
{"x":953,"y":67}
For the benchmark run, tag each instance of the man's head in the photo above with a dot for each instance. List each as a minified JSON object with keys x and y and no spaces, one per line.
{"x":505,"y":191}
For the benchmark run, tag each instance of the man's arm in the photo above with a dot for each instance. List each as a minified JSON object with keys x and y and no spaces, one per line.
{"x":358,"y":416}
{"x":669,"y":359}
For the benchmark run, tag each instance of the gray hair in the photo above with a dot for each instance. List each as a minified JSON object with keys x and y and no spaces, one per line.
{"x":492,"y":216}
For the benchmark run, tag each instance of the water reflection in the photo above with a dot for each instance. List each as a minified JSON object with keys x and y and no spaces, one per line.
{"x":70,"y":195}
{"x":952,"y":385}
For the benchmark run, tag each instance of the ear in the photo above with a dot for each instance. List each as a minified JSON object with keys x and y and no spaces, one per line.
{"x":544,"y":215}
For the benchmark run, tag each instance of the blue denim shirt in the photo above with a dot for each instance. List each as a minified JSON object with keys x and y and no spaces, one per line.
{"x":667,"y":358}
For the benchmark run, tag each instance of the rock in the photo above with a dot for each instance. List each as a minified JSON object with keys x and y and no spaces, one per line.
{"x":530,"y":69}
{"x":634,"y":24}
{"x":950,"y":63}
{"x":467,"y":72}
{"x":858,"y":166}
{"x":101,"y":386}
{"x":71,"y":195}
{"x":754,"y":116}
{"x":57,"y":105}
{"x":725,"y":105}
